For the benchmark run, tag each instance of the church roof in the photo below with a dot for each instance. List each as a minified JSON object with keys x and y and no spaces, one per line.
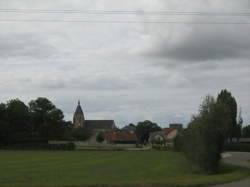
{"x":100,"y":124}
{"x":79,"y":109}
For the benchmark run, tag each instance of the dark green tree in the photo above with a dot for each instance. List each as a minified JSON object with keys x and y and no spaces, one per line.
{"x":143,"y":129}
{"x":225,"y":98}
{"x":80,"y":133}
{"x":18,"y":120}
{"x":47,"y":120}
{"x":203,"y":140}
{"x":4,"y":131}
{"x":246,"y":131}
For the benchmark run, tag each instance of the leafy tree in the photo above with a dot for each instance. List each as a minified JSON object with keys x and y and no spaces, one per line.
{"x":143,"y":129}
{"x":18,"y":120}
{"x":202,"y":141}
{"x":3,"y":123}
{"x":47,"y":120}
{"x":225,"y":98}
{"x":246,"y":131}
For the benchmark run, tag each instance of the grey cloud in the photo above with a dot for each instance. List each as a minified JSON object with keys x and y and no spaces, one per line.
{"x":206,"y":43}
{"x":202,"y":43}
{"x":24,"y":46}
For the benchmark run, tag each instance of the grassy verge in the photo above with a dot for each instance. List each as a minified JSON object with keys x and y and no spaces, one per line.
{"x":106,"y":168}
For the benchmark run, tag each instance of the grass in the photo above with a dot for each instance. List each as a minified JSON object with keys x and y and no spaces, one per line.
{"x":94,"y":168}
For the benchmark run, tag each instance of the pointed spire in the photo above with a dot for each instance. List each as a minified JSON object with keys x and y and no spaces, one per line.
{"x":79,"y":108}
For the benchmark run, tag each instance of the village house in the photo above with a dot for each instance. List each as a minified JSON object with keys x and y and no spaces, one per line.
{"x":166,"y":136}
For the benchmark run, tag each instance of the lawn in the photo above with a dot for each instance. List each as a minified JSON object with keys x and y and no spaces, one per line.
{"x":126,"y":168}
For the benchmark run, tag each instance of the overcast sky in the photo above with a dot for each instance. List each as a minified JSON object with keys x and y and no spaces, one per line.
{"x":129,"y":71}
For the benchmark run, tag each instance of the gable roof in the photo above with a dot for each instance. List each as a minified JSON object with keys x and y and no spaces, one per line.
{"x":100,"y":124}
{"x":168,"y":130}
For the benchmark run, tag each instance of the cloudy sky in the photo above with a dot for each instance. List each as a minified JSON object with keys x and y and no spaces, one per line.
{"x":126,"y":71}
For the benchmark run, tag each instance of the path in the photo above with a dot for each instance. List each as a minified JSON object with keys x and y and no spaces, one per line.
{"x":240,"y":159}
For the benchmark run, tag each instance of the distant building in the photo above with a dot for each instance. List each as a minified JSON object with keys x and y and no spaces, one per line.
{"x":177,"y":126}
{"x":95,"y":125}
{"x":129,"y":129}
{"x":167,"y":136}
{"x":120,"y":138}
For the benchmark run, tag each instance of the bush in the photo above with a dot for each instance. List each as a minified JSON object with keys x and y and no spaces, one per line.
{"x":80,"y":133}
{"x":100,"y":137}
{"x":202,"y":141}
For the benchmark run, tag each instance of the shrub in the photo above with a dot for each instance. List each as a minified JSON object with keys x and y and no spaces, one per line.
{"x":100,"y":137}
{"x":202,"y":141}
{"x":80,"y":133}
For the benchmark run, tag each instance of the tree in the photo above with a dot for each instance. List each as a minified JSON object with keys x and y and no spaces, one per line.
{"x":47,"y":120}
{"x":143,"y":129}
{"x":225,"y":98}
{"x":202,"y":142}
{"x":3,"y":124}
{"x":18,"y":117}
{"x":246,"y":131}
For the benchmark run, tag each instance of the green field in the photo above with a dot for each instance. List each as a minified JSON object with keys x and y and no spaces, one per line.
{"x":80,"y":168}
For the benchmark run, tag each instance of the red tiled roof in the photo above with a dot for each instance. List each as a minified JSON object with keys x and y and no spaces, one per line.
{"x":167,"y":131}
{"x":112,"y":137}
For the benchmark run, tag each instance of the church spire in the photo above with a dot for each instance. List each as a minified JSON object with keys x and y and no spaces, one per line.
{"x":78,"y":118}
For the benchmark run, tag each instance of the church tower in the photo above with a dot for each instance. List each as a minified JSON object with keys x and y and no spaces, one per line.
{"x":78,"y":119}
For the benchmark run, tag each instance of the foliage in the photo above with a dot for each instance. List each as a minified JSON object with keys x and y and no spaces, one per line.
{"x":14,"y":121}
{"x":105,"y":168}
{"x":100,"y":137}
{"x":47,"y":120}
{"x":226,"y":99}
{"x":40,"y":120}
{"x":246,"y":132}
{"x":202,"y":142}
{"x":81,"y":133}
{"x":143,"y":129}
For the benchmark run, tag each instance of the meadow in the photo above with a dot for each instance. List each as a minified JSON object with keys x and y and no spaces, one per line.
{"x":95,"y":168}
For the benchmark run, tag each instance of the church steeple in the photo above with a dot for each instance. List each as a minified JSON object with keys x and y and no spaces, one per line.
{"x":78,"y":118}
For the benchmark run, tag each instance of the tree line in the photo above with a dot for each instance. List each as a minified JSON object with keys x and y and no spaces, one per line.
{"x":41,"y":120}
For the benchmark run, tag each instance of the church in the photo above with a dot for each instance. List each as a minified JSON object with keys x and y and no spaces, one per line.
{"x":95,"y":125}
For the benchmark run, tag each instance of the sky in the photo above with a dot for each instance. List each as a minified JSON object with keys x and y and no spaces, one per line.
{"x":128,"y":72}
